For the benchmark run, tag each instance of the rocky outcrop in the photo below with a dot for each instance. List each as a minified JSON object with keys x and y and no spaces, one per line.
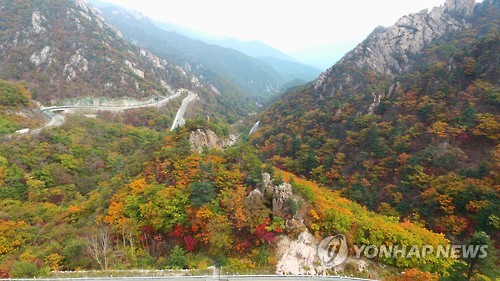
{"x":281,"y":195}
{"x":389,"y":51}
{"x":207,"y":138}
{"x":267,"y":186}
{"x":299,"y":257}
{"x":201,"y":139}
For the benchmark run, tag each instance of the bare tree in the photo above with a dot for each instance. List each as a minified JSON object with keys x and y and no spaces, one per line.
{"x":99,"y":247}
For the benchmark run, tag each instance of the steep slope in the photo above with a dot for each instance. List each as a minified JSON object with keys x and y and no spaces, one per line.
{"x":17,"y":112}
{"x":407,"y":123}
{"x":390,"y":51}
{"x":229,"y":70}
{"x":65,"y":49}
{"x":152,"y":201}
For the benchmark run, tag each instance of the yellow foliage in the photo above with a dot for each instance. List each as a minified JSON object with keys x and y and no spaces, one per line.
{"x":137,"y":186}
{"x":11,"y":235}
{"x":54,"y":261}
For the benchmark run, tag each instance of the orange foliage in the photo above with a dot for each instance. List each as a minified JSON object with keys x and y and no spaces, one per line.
{"x":414,"y":274}
{"x":11,"y":235}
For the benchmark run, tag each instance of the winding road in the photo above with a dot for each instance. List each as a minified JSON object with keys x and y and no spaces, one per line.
{"x":55,"y":119}
{"x":179,"y":117}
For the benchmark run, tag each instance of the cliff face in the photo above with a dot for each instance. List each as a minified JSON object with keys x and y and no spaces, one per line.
{"x":65,"y":49}
{"x":200,"y":139}
{"x":208,"y":139}
{"x":391,"y":51}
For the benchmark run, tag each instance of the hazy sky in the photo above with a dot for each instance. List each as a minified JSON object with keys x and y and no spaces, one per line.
{"x":284,"y":24}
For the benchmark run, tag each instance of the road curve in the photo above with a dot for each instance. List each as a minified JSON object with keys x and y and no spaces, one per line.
{"x":112,"y":108}
{"x":58,"y":120}
{"x":179,"y":117}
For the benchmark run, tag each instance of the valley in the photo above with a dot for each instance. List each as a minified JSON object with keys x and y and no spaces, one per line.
{"x":158,"y":153}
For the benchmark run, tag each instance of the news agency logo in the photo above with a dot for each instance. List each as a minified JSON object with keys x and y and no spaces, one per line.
{"x":333,"y":251}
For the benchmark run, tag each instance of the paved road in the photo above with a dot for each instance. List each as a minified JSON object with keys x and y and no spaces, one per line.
{"x":179,"y":117}
{"x":254,"y":128}
{"x":111,"y":107}
{"x":58,"y":120}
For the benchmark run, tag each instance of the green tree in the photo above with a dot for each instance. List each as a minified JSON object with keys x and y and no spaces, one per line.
{"x":177,"y":258}
{"x":201,"y":193}
{"x":481,"y":264}
{"x":24,"y":269}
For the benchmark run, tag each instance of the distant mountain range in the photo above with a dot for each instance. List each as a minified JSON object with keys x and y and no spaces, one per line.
{"x":253,"y":69}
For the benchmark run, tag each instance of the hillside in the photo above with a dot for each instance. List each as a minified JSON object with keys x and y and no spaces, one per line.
{"x":65,"y":49}
{"x":405,"y":124}
{"x":396,"y":145}
{"x":289,"y":67}
{"x":17,"y":111}
{"x":78,"y":197}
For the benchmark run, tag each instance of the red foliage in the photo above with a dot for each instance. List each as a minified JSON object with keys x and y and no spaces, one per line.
{"x":262,"y":233}
{"x":190,"y":243}
{"x":243,"y":246}
{"x":464,"y":138}
{"x":177,"y":232}
{"x":4,"y":274}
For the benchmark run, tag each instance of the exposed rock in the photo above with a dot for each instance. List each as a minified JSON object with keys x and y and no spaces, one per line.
{"x":299,"y":257}
{"x":136,"y":71}
{"x":281,"y":194}
{"x":200,"y":139}
{"x":78,"y":54}
{"x":231,"y":140}
{"x":389,"y":51}
{"x":36,"y":21}
{"x":267,"y":186}
{"x":41,"y":57}
{"x":77,"y":63}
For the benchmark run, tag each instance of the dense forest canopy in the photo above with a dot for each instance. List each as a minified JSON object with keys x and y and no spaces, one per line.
{"x":408,"y":159}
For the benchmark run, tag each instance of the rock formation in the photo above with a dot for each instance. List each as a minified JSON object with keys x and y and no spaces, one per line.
{"x":389,"y":51}
{"x":201,"y":139}
{"x":281,"y":195}
{"x":299,"y":257}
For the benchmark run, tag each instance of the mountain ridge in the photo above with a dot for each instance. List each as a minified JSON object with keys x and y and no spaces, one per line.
{"x":389,"y":51}
{"x":375,"y":131}
{"x":62,"y":48}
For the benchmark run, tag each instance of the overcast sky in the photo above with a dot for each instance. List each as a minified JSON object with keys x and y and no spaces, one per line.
{"x":284,"y":24}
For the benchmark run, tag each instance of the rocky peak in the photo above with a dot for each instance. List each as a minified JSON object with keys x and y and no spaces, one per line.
{"x":389,"y":51}
{"x":461,"y":7}
{"x":282,"y":193}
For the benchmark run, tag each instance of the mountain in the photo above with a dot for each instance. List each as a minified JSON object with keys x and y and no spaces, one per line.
{"x":253,"y":48}
{"x":406,"y":123}
{"x":414,"y":146}
{"x":65,"y":49}
{"x":229,"y":70}
{"x":291,"y":70}
{"x":256,"y":69}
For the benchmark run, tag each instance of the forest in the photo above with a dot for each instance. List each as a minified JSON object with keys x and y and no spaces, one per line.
{"x":118,"y":191}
